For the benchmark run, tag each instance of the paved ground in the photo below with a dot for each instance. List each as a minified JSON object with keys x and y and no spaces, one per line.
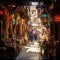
{"x":30,"y":52}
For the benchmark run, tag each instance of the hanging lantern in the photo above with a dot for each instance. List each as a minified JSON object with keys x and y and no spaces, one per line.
{"x":18,"y":17}
{"x":47,"y":25}
{"x":44,"y":18}
{"x":44,"y":15}
{"x":16,"y":21}
{"x":1,"y":12}
{"x":7,"y":17}
{"x":22,"y":21}
{"x":13,"y":21}
{"x":57,"y":18}
{"x":12,"y":16}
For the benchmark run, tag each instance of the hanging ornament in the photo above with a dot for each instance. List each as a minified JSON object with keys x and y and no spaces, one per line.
{"x":47,"y":25}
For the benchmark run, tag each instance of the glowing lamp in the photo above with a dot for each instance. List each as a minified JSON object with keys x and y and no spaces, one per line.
{"x":1,"y":12}
{"x":57,"y":18}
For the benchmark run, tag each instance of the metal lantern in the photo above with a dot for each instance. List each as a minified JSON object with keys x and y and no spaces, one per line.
{"x":44,"y":17}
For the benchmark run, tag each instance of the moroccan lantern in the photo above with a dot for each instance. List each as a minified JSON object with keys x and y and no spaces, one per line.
{"x":57,"y":18}
{"x":1,"y":12}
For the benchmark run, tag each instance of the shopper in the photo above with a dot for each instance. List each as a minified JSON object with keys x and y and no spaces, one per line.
{"x":31,"y":35}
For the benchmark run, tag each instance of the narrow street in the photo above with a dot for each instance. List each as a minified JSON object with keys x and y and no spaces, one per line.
{"x":30,"y":30}
{"x":30,"y":52}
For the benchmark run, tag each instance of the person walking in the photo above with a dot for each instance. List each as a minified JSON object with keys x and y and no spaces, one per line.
{"x":31,"y":35}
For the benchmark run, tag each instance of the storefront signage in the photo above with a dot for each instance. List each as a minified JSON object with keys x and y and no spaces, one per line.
{"x":34,"y":3}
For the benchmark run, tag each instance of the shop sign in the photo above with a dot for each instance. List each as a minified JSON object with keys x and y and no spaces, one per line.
{"x":34,"y":3}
